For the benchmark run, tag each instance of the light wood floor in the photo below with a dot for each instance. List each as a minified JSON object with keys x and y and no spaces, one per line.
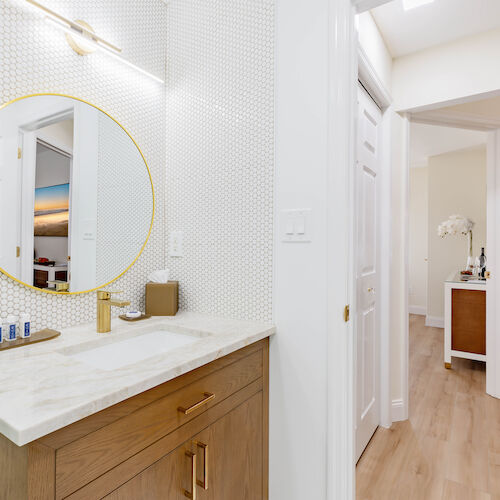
{"x":449,"y":449}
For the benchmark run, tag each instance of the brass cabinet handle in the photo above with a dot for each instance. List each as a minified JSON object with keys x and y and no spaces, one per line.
{"x":204,"y":447}
{"x":208,"y":397}
{"x":371,"y":289}
{"x":192,"y":494}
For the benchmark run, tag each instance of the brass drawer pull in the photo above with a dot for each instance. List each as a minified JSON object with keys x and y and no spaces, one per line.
{"x":192,"y":494}
{"x":204,"y":447}
{"x":208,"y":397}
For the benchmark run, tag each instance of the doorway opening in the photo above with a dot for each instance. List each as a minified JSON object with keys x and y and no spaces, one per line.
{"x":52,"y":213}
{"x":438,"y":377}
{"x":46,"y":208}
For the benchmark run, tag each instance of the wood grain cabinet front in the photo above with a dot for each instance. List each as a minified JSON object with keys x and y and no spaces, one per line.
{"x":173,"y":442}
{"x":223,"y":462}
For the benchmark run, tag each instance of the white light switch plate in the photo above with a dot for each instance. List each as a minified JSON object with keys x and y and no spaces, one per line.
{"x":176,"y":242}
{"x":296,"y":225}
{"x":89,"y":229}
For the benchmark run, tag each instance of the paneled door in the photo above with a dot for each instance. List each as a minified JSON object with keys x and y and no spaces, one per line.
{"x":366,"y":235}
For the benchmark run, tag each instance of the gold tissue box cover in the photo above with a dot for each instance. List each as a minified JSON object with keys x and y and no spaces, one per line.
{"x":162,"y":299}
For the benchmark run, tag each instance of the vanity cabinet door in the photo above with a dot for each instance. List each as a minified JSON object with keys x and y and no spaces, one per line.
{"x":166,"y":479}
{"x":235,"y":451}
{"x":228,"y":457}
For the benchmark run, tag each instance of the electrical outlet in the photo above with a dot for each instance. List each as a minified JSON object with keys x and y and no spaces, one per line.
{"x":176,"y":244}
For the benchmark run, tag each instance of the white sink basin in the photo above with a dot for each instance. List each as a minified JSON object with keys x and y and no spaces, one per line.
{"x":127,"y":351}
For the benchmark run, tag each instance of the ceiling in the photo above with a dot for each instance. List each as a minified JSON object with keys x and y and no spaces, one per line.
{"x":433,"y":24}
{"x":479,"y":115}
{"x":487,"y":108}
{"x":432,"y":140}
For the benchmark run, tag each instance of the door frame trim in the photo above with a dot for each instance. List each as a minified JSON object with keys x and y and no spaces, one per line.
{"x":342,"y":81}
{"x":493,"y":245}
{"x":342,"y":110}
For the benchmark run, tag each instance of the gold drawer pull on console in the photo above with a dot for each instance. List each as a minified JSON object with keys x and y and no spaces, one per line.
{"x":204,"y":447}
{"x":192,"y":494}
{"x":208,"y":397}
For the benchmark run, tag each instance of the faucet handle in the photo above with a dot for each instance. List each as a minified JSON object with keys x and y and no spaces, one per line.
{"x":105,"y":294}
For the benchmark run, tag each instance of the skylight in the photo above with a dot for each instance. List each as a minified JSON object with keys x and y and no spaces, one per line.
{"x":412,"y":4}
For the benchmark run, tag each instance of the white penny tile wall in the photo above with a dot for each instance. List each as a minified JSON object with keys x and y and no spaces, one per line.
{"x":208,"y":137}
{"x":35,"y":58}
{"x":219,"y":187}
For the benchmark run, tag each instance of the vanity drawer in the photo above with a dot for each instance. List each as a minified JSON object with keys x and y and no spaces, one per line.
{"x":87,"y":458}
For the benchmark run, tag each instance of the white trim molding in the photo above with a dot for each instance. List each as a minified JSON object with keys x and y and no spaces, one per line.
{"x":420,"y":310}
{"x":399,"y":410}
{"x":371,"y":81}
{"x":493,"y":284}
{"x":342,"y":83}
{"x":456,"y":119}
{"x":434,"y":321}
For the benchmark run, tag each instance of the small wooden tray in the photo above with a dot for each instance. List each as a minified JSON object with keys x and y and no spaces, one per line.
{"x":144,"y":316}
{"x":36,"y":337}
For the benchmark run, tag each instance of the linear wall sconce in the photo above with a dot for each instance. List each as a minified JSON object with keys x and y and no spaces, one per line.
{"x":83,"y":40}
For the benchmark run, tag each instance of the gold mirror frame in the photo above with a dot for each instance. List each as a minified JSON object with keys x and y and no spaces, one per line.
{"x":43,"y":290}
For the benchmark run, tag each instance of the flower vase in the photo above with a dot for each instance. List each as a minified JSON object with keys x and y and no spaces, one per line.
{"x":470,"y":258}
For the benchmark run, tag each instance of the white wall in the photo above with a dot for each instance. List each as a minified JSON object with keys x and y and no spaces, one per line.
{"x":465,"y":67}
{"x":59,"y":134}
{"x":51,"y":168}
{"x":375,"y":49}
{"x":431,"y":140}
{"x":52,"y":247}
{"x":298,"y":399}
{"x":457,"y":185}
{"x":418,"y":216}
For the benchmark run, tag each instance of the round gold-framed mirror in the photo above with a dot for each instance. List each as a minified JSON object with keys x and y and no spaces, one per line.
{"x":77,"y":201}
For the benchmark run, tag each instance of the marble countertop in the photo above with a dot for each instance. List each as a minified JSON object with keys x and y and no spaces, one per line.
{"x":43,"y":389}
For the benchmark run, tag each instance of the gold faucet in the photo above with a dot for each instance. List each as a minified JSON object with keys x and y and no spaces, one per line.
{"x":104,"y":304}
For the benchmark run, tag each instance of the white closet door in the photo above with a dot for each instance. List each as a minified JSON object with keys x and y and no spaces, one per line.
{"x":367,"y":329}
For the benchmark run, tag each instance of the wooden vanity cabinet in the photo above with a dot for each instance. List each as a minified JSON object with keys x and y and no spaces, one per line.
{"x":145,"y":448}
{"x":230,"y":449}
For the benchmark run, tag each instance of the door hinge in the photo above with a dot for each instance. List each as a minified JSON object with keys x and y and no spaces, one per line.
{"x":19,"y":153}
{"x":18,"y":251}
{"x":346,"y":313}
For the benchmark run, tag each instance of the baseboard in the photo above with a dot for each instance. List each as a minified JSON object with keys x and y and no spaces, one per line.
{"x":435,"y":321}
{"x":420,"y":310}
{"x":398,"y":411}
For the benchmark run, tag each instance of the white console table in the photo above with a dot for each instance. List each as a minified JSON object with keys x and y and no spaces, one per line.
{"x":464,"y":319}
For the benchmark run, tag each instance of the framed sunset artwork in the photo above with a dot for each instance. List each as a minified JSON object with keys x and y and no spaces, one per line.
{"x":52,"y":210}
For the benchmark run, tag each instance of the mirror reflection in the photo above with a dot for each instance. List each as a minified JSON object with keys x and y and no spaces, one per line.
{"x":76,"y":198}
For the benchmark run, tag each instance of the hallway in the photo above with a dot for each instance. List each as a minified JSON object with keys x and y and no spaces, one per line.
{"x":449,"y":449}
